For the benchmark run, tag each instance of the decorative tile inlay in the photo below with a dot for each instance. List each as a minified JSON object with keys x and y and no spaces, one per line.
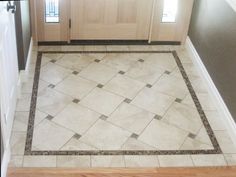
{"x":167,"y":72}
{"x":77,"y":136}
{"x":76,"y":101}
{"x":100,"y":86}
{"x":49,"y":117}
{"x":157,"y":117}
{"x":149,"y":86}
{"x":135,"y":136}
{"x":127,"y":100}
{"x":121,"y":72}
{"x":75,"y":72}
{"x":105,"y":128}
{"x":178,"y":100}
{"x":191,"y":135}
{"x":141,"y":60}
{"x":103,"y":117}
{"x":97,"y":61}
{"x":51,"y":86}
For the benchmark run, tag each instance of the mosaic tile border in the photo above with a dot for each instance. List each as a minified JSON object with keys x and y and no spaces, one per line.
{"x":30,"y":130}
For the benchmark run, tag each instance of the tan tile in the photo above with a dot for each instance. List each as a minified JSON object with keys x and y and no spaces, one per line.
{"x":39,"y":161}
{"x":215,"y":120}
{"x":163,"y":136}
{"x":131,"y":118}
{"x":53,"y":73}
{"x":141,"y":161}
{"x":98,"y":72}
{"x":18,"y":143}
{"x":184,"y":117}
{"x":230,"y":159}
{"x":153,"y":101}
{"x":95,"y":48}
{"x":21,"y":121}
{"x":52,"y":102}
{"x":102,"y":101}
{"x":72,"y":48}
{"x":191,"y":144}
{"x":73,"y":161}
{"x":117,"y":48}
{"x":134,"y":144}
{"x":208,"y":160}
{"x":76,"y":86}
{"x":225,"y":142}
{"x":16,"y":161}
{"x":107,"y":161}
{"x":75,"y":61}
{"x":124,"y":86}
{"x":105,"y":136}
{"x":175,"y":161}
{"x":74,"y":145}
{"x":23,"y":103}
{"x":49,"y":136}
{"x":76,"y":118}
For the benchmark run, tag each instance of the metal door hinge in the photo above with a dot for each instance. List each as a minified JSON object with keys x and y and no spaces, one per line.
{"x":70,"y":23}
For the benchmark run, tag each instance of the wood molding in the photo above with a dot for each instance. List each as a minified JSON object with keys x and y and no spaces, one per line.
{"x":123,"y":172}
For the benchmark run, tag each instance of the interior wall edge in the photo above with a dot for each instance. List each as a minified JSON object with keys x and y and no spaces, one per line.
{"x":226,"y":116}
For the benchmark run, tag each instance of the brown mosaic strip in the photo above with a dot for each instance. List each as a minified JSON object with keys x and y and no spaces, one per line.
{"x":30,"y":130}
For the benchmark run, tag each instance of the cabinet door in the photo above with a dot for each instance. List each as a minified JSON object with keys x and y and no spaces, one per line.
{"x":110,"y":19}
{"x":166,"y":29}
{"x":52,"y":20}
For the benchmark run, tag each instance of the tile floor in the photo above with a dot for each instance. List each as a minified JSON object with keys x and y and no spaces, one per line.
{"x":116,"y":102}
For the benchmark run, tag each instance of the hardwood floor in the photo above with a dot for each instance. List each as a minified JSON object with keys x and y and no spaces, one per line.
{"x":124,"y":172}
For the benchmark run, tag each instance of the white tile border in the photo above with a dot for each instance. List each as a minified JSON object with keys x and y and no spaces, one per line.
{"x":226,"y":116}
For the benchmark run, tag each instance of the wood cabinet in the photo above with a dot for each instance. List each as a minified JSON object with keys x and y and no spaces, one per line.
{"x":113,"y":20}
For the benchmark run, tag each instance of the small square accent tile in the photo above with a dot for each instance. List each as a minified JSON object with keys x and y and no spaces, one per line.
{"x":51,"y":85}
{"x":157,"y":117}
{"x":76,"y":101}
{"x":53,"y":61}
{"x":127,"y":100}
{"x":191,"y":135}
{"x":97,"y":61}
{"x":135,"y":136}
{"x":75,"y":72}
{"x":49,"y":117}
{"x":178,"y":100}
{"x":141,"y":60}
{"x":167,"y":72}
{"x":149,"y":86}
{"x":121,"y":72}
{"x":103,"y":117}
{"x":77,"y":136}
{"x":100,"y":85}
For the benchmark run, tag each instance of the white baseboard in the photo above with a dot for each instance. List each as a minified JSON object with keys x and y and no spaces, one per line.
{"x":23,"y":73}
{"x":5,"y":161}
{"x":227,"y":118}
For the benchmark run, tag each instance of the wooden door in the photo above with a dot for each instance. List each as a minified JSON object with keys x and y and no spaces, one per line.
{"x":54,"y":30}
{"x":110,"y":19}
{"x":9,"y":72}
{"x":171,"y":31}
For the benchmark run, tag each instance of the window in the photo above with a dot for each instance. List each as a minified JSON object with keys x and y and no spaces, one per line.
{"x":170,"y":11}
{"x":52,"y":11}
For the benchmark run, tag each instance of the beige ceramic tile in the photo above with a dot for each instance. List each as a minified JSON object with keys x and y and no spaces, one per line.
{"x":163,"y":136}
{"x":107,"y":161}
{"x":153,"y":101}
{"x":230,"y":159}
{"x":209,"y":160}
{"x":39,"y":161}
{"x":98,"y":72}
{"x":20,"y":121}
{"x":73,"y":161}
{"x":76,"y":118}
{"x":76,"y":86}
{"x":49,"y":136}
{"x":141,"y":161}
{"x":18,"y":143}
{"x":131,"y":118}
{"x":124,"y":86}
{"x":102,"y":101}
{"x":105,"y":136}
{"x":175,"y":161}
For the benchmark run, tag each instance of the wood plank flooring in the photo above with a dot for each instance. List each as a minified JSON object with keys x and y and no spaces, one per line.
{"x":124,"y":172}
